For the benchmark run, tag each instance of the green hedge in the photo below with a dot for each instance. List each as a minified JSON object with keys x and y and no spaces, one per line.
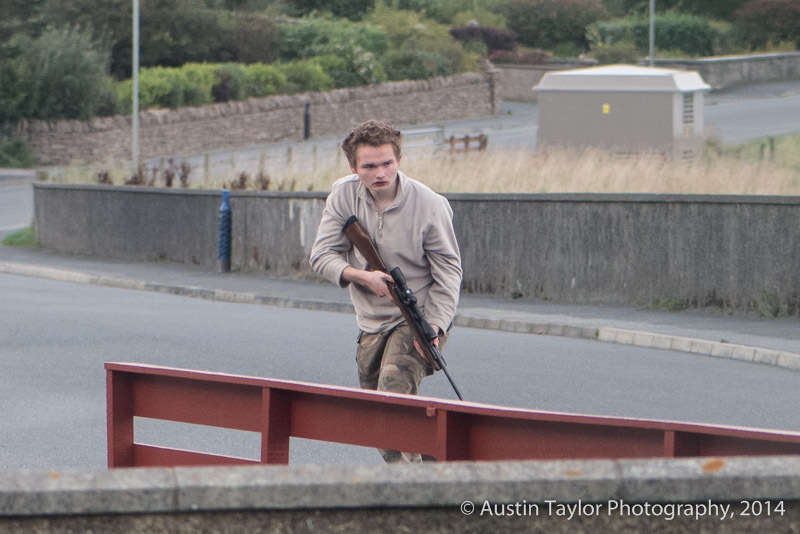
{"x":687,"y":34}
{"x":197,"y":84}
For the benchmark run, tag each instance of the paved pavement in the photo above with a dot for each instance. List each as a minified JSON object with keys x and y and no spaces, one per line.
{"x":767,"y":340}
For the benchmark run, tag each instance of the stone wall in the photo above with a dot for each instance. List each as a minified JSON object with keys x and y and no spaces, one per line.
{"x":756,"y":494}
{"x":515,"y":82}
{"x":733,"y":252}
{"x":195,"y":130}
{"x":721,"y":72}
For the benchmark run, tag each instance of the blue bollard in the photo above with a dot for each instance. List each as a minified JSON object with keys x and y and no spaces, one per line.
{"x":224,"y":254}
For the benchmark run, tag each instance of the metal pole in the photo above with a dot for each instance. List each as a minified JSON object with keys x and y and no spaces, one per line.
{"x":225,"y":220}
{"x":652,"y":30}
{"x":135,"y":69}
{"x":307,"y":121}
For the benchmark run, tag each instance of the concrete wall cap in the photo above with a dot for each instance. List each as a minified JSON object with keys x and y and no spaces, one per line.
{"x":396,"y":486}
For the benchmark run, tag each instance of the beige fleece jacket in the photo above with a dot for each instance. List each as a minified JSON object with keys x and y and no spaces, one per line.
{"x":415,"y":233}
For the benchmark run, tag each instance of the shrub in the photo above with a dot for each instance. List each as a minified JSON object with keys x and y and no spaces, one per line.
{"x":351,"y":9}
{"x":692,"y":35}
{"x":231,"y":83}
{"x":762,"y":22}
{"x":445,"y":11}
{"x":621,"y":52}
{"x":320,"y":36}
{"x":482,"y":16}
{"x":254,"y":38}
{"x":264,"y":80}
{"x":302,"y":76}
{"x":159,"y":87}
{"x":415,"y":65}
{"x":202,"y":77}
{"x":493,"y":38}
{"x":521,"y":56}
{"x":356,"y":45}
{"x":408,"y":34}
{"x":547,"y":23}
{"x":15,"y":153}
{"x":59,"y":75}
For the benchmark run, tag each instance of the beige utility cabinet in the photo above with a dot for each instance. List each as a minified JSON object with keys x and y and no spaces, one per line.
{"x":624,"y":109}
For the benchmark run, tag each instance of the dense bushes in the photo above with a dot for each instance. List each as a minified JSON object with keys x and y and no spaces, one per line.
{"x":195,"y":52}
{"x":173,"y":32}
{"x":549,"y":23}
{"x":764,"y":22}
{"x":426,"y":44}
{"x":347,"y":52}
{"x":15,"y":153}
{"x":196,"y":84}
{"x":58,"y":75}
{"x":493,"y":38}
{"x":688,"y":34}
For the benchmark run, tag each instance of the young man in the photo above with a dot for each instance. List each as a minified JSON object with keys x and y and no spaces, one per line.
{"x":412,"y":228}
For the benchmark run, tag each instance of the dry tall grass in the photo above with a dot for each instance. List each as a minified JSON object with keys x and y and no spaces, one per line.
{"x":747,"y":170}
{"x":599,"y":172}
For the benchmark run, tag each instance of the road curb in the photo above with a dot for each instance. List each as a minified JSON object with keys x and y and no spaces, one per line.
{"x":606,"y":334}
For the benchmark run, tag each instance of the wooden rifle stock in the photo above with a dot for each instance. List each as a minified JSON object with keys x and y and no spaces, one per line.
{"x":401,"y":296}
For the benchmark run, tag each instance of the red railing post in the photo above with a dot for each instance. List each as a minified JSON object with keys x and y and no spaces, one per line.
{"x":276,"y":420}
{"x":452,"y":443}
{"x":119,"y":418}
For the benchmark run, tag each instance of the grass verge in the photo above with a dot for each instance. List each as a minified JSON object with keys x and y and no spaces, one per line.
{"x":22,"y":238}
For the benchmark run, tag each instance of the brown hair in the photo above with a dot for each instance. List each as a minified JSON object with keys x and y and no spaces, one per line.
{"x":373,"y":133}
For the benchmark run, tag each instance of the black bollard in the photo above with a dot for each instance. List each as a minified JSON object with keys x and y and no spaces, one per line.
{"x":307,"y":121}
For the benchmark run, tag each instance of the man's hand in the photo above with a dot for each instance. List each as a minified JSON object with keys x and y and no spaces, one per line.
{"x":435,"y":341}
{"x":376,"y":281}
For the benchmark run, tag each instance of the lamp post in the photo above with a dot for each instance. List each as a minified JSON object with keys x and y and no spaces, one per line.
{"x":135,"y":68}
{"x":652,"y":30}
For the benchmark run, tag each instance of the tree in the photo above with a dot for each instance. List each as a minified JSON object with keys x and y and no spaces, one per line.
{"x":172,"y":32}
{"x":19,"y":16}
{"x":351,"y":9}
{"x":58,"y":75}
{"x":716,"y":9}
{"x":548,"y":23}
{"x":761,"y":22}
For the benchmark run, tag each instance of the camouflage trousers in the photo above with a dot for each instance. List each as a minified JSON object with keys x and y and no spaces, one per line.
{"x":388,"y":361}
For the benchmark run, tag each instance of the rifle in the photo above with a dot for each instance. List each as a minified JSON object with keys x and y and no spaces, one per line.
{"x":402,"y":297}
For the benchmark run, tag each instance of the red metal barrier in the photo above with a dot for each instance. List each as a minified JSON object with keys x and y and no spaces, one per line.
{"x":446,"y":430}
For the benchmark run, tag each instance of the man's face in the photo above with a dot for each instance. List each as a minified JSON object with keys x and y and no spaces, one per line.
{"x":376,"y":167}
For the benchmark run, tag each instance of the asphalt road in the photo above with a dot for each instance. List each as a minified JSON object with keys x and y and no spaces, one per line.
{"x":16,"y":207}
{"x":56,"y":336}
{"x":751,"y":112}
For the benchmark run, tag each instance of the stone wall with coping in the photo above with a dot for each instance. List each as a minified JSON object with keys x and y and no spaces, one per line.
{"x":516,"y":82}
{"x":728,"y":251}
{"x":722,"y":72}
{"x":195,"y":130}
{"x":664,"y":495}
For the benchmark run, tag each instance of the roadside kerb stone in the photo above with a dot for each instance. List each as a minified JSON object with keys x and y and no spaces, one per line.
{"x":465,"y":318}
